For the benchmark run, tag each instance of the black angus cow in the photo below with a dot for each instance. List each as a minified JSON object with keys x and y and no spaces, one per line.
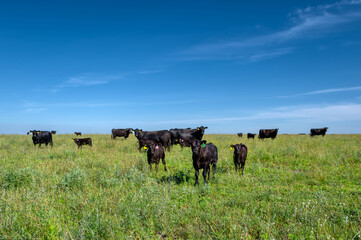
{"x":40,"y":137}
{"x":143,"y":143}
{"x":176,"y":134}
{"x":77,"y":133}
{"x":121,"y":133}
{"x":154,"y":154}
{"x":185,"y":138}
{"x":268,"y":133}
{"x":318,"y":131}
{"x":27,"y":133}
{"x":239,"y":156}
{"x":203,"y":156}
{"x":83,"y":141}
{"x":250,"y":135}
{"x":163,"y":136}
{"x":53,"y":132}
{"x":240,"y":134}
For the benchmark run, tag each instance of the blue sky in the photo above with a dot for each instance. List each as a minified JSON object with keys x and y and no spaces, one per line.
{"x":234,"y":66}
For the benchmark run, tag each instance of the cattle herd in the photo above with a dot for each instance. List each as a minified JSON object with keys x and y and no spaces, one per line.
{"x":204,"y":155}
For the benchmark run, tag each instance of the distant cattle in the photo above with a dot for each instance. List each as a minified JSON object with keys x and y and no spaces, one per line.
{"x":240,"y":134}
{"x":302,"y":134}
{"x":40,"y":137}
{"x":121,"y":133}
{"x":186,"y":136}
{"x":318,"y":131}
{"x":53,"y":132}
{"x":250,"y":135}
{"x":83,"y":141}
{"x":77,"y":133}
{"x":154,"y":154}
{"x":203,"y":156}
{"x":163,"y":136}
{"x":239,"y":156}
{"x":268,"y":133}
{"x":27,"y":133}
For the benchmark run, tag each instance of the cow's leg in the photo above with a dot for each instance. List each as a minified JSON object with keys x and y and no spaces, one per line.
{"x":156,"y":166}
{"x":197,"y":173}
{"x":236,"y":166}
{"x":150,"y":166}
{"x":209,"y":171}
{"x":205,"y":173}
{"x":165,"y":165}
{"x":242,"y":167}
{"x":39,"y":145}
{"x":214,"y":166}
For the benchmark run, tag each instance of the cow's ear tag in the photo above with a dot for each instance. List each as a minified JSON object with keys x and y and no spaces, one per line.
{"x":231,"y":148}
{"x":197,"y":128}
{"x":140,"y":130}
{"x":203,"y":145}
{"x":37,"y":132}
{"x":145,"y":147}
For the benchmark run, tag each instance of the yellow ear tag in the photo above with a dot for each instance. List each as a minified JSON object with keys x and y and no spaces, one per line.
{"x":145,"y":147}
{"x":176,"y":140}
{"x":231,"y":147}
{"x":140,"y":130}
{"x":37,"y":132}
{"x":197,"y":128}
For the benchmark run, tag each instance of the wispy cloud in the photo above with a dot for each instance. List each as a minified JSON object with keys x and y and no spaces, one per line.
{"x":269,"y":55}
{"x":149,"y":71}
{"x":324,"y":91}
{"x":87,"y":79}
{"x":311,"y":22}
{"x":340,"y":112}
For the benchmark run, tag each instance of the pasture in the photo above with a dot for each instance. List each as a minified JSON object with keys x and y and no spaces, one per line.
{"x":294,"y":187}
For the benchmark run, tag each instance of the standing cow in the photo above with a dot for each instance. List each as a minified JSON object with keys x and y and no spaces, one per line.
{"x":83,"y":141}
{"x":239,"y":156}
{"x":121,"y":133}
{"x":203,"y":156}
{"x":154,"y":154}
{"x":268,"y":133}
{"x":250,"y":135}
{"x":40,"y":137}
{"x":163,"y":136}
{"x":318,"y":131}
{"x":239,"y":134}
{"x":186,"y":136}
{"x":77,"y":133}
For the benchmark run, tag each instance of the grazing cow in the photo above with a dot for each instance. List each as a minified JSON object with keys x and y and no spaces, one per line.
{"x":155,"y":153}
{"x":53,"y":132}
{"x":239,"y":155}
{"x":163,"y":137}
{"x":187,"y":136}
{"x":121,"y":133}
{"x":143,"y":143}
{"x":240,"y":134}
{"x":40,"y":137}
{"x":83,"y":141}
{"x":250,"y":135}
{"x":203,"y":156}
{"x":268,"y":133}
{"x":77,"y":133}
{"x":318,"y":131}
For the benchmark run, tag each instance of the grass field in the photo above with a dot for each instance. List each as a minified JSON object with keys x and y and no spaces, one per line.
{"x":294,"y":187}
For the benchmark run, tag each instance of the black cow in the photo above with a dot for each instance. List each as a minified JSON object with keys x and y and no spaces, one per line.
{"x":176,"y":134}
{"x":203,"y":156}
{"x":143,"y":143}
{"x":53,"y":132}
{"x":83,"y":141}
{"x":163,"y":137}
{"x":154,"y":154}
{"x":27,"y":133}
{"x":318,"y":131}
{"x":77,"y":133}
{"x":121,"y":133}
{"x":250,"y":135}
{"x":239,"y":156}
{"x":185,"y":138}
{"x":40,"y":137}
{"x":240,"y":134}
{"x":268,"y":133}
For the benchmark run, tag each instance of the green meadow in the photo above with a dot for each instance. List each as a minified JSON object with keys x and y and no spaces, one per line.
{"x":294,"y":187}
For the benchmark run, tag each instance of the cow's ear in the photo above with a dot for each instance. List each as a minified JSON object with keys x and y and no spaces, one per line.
{"x":203,"y":142}
{"x":205,"y":127}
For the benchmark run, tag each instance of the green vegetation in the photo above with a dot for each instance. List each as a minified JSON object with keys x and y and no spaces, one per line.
{"x":294,"y":187}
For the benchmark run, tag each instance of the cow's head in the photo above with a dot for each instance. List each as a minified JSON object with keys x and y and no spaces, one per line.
{"x":137,"y":132}
{"x":238,"y":148}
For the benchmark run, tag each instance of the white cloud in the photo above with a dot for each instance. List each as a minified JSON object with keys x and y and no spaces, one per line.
{"x":311,"y":22}
{"x":323,"y":91}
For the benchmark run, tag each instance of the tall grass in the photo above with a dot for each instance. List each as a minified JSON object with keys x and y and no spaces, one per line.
{"x":294,"y":187}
